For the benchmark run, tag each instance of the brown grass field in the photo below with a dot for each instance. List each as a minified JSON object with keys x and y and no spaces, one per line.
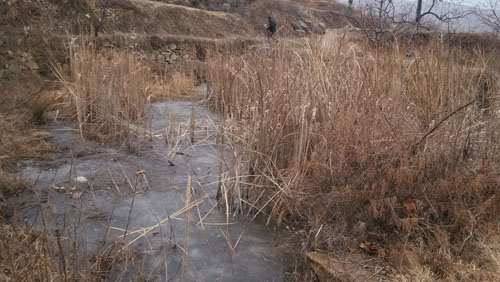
{"x":341,"y":135}
{"x":378,"y":147}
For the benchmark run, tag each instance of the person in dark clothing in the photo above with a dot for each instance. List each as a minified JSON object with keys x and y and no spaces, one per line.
{"x":271,"y":27}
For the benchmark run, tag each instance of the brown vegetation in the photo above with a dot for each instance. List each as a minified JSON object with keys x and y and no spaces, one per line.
{"x":381,"y":146}
{"x":338,"y":135}
{"x":107,"y":92}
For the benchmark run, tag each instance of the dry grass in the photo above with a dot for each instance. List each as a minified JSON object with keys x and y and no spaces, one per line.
{"x":107,"y":92}
{"x":337,"y":134}
{"x":42,"y":254}
{"x":19,"y":141}
{"x":18,"y":265}
{"x":177,"y":84}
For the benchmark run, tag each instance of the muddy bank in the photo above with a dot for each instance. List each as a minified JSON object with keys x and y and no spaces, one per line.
{"x":97,"y":195}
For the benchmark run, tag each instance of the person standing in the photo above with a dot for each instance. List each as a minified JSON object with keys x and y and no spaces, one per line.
{"x":271,"y":27}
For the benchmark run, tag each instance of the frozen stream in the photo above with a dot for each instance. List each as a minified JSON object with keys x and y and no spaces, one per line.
{"x":158,"y":171}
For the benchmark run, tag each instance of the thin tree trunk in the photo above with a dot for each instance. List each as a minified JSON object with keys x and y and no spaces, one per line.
{"x":419,"y":14}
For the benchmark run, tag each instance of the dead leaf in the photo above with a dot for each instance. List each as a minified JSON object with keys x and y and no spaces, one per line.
{"x":410,"y":206}
{"x":351,"y":249}
{"x":368,"y":247}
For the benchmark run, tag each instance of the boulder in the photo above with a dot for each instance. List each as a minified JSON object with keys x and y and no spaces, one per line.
{"x":322,"y":25}
{"x":226,"y":7}
{"x":301,"y":26}
{"x":172,"y":46}
{"x":316,"y":28}
{"x":32,"y":65}
{"x":160,"y":58}
{"x":329,"y":269}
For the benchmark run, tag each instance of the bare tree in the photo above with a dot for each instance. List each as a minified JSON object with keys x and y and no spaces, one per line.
{"x":489,"y":13}
{"x":380,"y":20}
{"x":443,"y":16}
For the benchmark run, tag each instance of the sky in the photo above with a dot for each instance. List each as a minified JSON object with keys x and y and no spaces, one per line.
{"x":468,"y":23}
{"x":474,"y":2}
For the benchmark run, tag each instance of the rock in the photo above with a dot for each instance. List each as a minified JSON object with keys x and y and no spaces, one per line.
{"x":226,"y":7}
{"x":322,"y":25}
{"x":317,"y":28}
{"x":81,"y":179}
{"x":302,"y":26}
{"x":173,"y":57}
{"x":106,"y":44}
{"x":160,"y":58}
{"x":403,"y":259}
{"x":328,"y":269}
{"x":152,"y":57}
{"x":32,"y":65}
{"x":172,"y":47}
{"x":186,"y":56}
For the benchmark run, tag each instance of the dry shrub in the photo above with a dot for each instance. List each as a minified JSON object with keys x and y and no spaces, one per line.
{"x":177,"y":84}
{"x":26,"y":256}
{"x":338,"y":134}
{"x":181,"y":84}
{"x":107,"y":92}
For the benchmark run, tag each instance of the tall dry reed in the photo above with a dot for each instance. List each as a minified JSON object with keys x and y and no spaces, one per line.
{"x":339,"y":134}
{"x":107,"y":91}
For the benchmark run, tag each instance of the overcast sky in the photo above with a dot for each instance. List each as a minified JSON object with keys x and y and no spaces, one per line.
{"x":472,"y":3}
{"x":475,"y":2}
{"x":455,"y":7}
